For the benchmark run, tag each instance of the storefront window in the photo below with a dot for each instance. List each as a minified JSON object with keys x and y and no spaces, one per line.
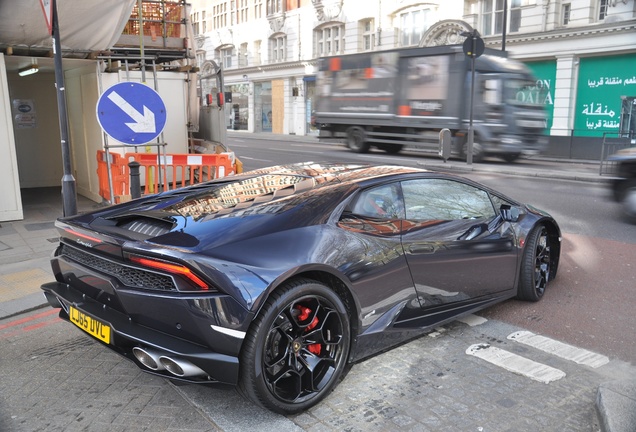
{"x":310,"y":98}
{"x":263,"y":107}
{"x":237,"y":110}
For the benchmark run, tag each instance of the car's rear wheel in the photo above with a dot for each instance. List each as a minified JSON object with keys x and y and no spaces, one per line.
{"x":296,"y":349}
{"x":535,"y":266}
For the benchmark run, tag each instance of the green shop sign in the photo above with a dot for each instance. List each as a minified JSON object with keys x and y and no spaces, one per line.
{"x":603,"y":81}
{"x":545,"y":72}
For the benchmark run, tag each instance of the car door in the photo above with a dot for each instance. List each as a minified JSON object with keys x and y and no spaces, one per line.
{"x":380,"y":274}
{"x":456,"y":244}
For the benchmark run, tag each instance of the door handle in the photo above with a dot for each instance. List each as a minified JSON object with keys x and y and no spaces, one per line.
{"x":421,"y":248}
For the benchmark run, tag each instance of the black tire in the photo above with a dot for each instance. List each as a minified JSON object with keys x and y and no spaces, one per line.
{"x":391,"y":148}
{"x":628,"y":201}
{"x":535,"y":265}
{"x":478,"y":152}
{"x":296,"y":350}
{"x":357,"y":140}
{"x":510,"y":157}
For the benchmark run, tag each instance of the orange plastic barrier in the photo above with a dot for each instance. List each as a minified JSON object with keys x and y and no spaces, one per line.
{"x":119,"y":173}
{"x":176,"y":170}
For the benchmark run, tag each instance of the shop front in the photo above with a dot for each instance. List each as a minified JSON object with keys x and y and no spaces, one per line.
{"x":263,"y":110}
{"x":237,"y":108}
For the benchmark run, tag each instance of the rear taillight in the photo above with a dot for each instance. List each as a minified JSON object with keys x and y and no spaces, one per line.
{"x":172,"y":268}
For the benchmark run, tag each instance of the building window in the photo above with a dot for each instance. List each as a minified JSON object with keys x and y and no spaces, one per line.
{"x":204,"y":22}
{"x":602,"y":10}
{"x":258,"y":9}
{"x":242,"y":59}
{"x":329,"y":40}
{"x":492,"y":16}
{"x":367,"y":35}
{"x":565,"y":14}
{"x":219,"y":15}
{"x":515,"y":16}
{"x":194,"y":18}
{"x":275,"y":7}
{"x":225,"y":56}
{"x":413,"y":24}
{"x":256,"y":58}
{"x":241,"y":14}
{"x":277,"y":48}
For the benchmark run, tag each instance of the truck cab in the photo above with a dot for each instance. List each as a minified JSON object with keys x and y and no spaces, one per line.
{"x":509,"y":118}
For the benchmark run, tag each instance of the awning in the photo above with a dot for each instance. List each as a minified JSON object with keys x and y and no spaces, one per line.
{"x":85,"y":25}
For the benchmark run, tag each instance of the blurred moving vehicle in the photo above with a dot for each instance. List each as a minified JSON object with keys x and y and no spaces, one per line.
{"x":397,"y":98}
{"x":278,"y":280}
{"x":624,"y":184}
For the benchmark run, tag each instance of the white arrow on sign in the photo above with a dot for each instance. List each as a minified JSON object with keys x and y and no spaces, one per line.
{"x":144,"y":123}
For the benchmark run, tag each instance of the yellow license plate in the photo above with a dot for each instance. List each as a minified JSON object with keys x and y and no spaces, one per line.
{"x":90,"y":325}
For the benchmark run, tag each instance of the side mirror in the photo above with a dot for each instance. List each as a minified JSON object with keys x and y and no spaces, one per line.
{"x":509,"y":213}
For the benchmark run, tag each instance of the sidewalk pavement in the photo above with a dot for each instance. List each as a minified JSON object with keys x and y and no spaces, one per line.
{"x":26,"y":247}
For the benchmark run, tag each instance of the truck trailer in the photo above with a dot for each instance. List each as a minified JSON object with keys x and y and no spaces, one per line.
{"x":397,"y":98}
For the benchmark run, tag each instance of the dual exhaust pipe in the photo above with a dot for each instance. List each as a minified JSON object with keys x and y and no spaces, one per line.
{"x":158,"y":361}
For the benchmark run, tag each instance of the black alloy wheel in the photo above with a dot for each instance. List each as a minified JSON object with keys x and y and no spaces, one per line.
{"x":296,"y":351}
{"x":535,"y":266}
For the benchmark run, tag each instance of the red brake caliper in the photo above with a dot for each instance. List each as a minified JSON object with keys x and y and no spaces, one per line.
{"x":304,"y":315}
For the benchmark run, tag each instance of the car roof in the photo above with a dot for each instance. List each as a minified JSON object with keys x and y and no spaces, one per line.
{"x":229,"y":194}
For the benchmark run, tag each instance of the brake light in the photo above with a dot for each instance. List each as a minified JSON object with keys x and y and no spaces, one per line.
{"x":177,"y":269}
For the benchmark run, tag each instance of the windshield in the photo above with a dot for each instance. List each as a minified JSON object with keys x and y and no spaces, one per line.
{"x":524,"y":92}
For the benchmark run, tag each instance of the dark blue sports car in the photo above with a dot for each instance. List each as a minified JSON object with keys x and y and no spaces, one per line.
{"x":277,"y":280}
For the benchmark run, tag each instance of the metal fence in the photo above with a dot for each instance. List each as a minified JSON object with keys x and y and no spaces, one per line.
{"x":612,"y":143}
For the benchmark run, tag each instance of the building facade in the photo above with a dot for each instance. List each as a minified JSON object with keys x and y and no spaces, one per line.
{"x":583,"y":51}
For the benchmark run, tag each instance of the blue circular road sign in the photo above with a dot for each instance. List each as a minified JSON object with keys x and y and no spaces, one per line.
{"x":131,"y":112}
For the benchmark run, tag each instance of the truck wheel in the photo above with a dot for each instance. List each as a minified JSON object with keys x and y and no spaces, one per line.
{"x":510,"y":157}
{"x":391,"y":148}
{"x":478,"y":151}
{"x":357,"y":141}
{"x":629,"y":201}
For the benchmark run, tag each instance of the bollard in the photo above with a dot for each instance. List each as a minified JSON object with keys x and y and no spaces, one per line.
{"x":135,"y":184}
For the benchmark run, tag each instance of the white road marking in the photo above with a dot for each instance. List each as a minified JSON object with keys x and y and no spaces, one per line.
{"x":560,"y":349}
{"x":255,"y":159}
{"x":515,"y":363}
{"x":472,"y":320}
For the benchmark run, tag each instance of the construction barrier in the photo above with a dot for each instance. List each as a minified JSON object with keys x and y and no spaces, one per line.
{"x":119,"y":175}
{"x":158,"y":172}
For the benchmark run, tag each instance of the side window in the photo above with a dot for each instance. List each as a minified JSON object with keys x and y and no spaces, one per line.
{"x":440,"y":199}
{"x":380,"y":202}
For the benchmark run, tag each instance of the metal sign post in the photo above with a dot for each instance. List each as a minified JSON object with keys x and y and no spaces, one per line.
{"x":69,"y":193}
{"x":473,"y":48}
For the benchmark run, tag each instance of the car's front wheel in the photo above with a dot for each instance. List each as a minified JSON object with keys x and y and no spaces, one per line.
{"x":296,"y":349}
{"x":536,"y":265}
